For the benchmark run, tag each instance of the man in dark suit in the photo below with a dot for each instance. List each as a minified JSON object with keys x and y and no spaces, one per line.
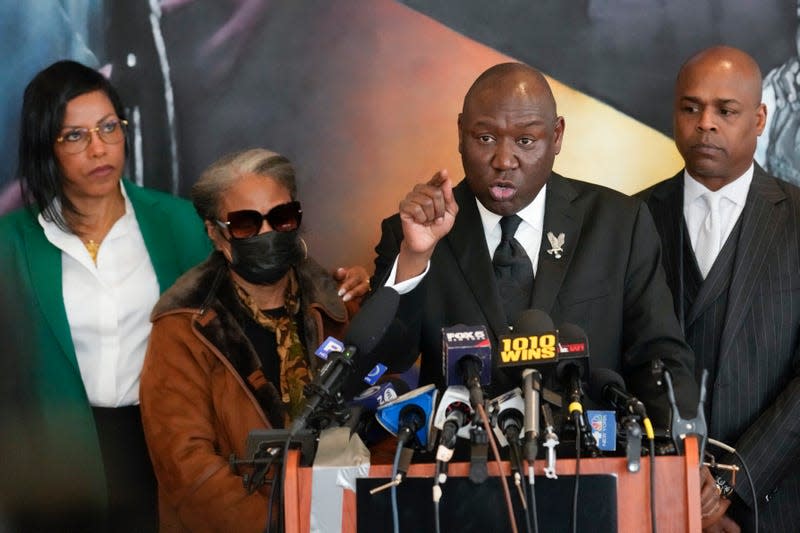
{"x":594,"y":251}
{"x":731,"y":241}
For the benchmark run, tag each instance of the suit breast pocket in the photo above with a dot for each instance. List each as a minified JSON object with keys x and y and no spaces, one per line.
{"x":789,"y":285}
{"x":583,"y":303}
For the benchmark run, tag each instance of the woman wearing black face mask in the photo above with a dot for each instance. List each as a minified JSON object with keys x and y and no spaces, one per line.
{"x":233,"y":342}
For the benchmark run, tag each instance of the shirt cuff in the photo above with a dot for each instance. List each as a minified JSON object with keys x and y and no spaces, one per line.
{"x":404,"y":287}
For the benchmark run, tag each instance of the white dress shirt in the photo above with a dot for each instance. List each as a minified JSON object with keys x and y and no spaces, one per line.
{"x":108,"y":307}
{"x":732,"y":198}
{"x":529,"y":235}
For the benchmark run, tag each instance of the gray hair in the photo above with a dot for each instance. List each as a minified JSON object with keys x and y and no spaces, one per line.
{"x":226,"y":171}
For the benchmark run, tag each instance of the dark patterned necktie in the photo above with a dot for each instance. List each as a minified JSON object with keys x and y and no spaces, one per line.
{"x":513,"y":270}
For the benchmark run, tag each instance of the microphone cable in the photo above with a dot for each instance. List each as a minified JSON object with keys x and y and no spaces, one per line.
{"x":439,"y":477}
{"x":507,"y":494}
{"x":277,"y":487}
{"x":532,"y":505}
{"x":651,"y":438}
{"x":516,"y":458}
{"x":574,"y":517}
{"x":271,"y":494}
{"x":731,"y":449}
{"x":437,"y":495}
{"x":393,"y":490}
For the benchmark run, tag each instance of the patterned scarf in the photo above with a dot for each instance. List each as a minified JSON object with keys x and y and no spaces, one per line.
{"x":294,"y":373}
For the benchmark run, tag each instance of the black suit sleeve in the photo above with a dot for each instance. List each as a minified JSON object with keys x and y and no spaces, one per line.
{"x":771,"y":445}
{"x":401,"y":345}
{"x":387,"y":249}
{"x":651,"y":330}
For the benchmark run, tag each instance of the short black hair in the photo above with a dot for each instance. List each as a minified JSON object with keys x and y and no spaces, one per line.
{"x":43,"y":108}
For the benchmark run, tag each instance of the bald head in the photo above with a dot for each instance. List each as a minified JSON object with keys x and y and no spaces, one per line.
{"x":718,"y":114}
{"x":722,"y":60}
{"x":513,"y":79}
{"x":508,"y":136}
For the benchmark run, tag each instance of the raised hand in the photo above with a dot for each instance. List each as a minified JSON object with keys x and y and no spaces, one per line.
{"x":427,"y":214}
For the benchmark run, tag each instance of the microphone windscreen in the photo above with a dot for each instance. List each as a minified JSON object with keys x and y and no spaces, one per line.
{"x":466,"y":349}
{"x":601,"y":378}
{"x":400,"y":386}
{"x":385,"y":391}
{"x":571,"y":331}
{"x":533,"y":322}
{"x":373,"y":319}
{"x":573,"y":350}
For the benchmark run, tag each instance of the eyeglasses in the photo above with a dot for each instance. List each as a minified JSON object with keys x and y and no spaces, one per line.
{"x":77,"y":140}
{"x":247,"y":223}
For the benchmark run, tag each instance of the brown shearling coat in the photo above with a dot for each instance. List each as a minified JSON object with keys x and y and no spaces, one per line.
{"x":197,"y":408}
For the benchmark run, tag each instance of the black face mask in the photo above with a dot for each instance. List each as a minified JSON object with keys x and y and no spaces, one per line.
{"x":267,"y":257}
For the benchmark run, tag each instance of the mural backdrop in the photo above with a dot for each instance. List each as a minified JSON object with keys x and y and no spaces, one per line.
{"x":363,"y":95}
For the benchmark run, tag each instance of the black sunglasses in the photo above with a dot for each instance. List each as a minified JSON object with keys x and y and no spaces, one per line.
{"x":247,"y":222}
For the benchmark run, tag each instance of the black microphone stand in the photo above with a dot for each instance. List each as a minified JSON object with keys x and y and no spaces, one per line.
{"x":266,"y":448}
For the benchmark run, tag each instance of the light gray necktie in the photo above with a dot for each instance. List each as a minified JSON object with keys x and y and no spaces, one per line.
{"x":708,"y":239}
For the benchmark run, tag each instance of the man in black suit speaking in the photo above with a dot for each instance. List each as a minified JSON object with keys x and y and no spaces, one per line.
{"x":731,"y":242}
{"x":515,"y":235}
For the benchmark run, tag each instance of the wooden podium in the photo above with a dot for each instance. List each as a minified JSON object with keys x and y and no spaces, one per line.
{"x":677,"y":490}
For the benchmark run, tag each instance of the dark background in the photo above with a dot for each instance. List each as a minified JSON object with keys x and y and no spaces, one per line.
{"x":363,"y":95}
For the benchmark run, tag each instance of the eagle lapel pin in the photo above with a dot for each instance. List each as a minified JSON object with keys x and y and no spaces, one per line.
{"x":556,"y":244}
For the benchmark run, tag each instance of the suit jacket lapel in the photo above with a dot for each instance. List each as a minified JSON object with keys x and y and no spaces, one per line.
{"x":762,"y":220}
{"x":44,"y":268}
{"x":468,"y":245}
{"x":667,"y":209}
{"x":152,"y":220}
{"x":560,"y":216}
{"x":716,"y":282}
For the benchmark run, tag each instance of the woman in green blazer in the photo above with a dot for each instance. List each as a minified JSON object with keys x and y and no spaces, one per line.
{"x":86,"y":261}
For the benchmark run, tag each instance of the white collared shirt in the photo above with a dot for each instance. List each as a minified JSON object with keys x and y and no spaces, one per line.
{"x":108,"y":307}
{"x":732,"y":199}
{"x":528,"y":234}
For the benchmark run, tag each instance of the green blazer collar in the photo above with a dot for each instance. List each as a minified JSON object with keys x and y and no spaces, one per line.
{"x":153,"y":218}
{"x":44,"y":261}
{"x":44,"y":268}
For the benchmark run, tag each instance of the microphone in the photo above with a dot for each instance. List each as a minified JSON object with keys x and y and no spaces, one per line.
{"x":533,"y":344}
{"x":332,"y":345}
{"x":373,"y":397}
{"x":453,"y":418}
{"x":507,"y":419}
{"x":467,"y":359}
{"x":409,"y":416}
{"x":573,"y":346}
{"x":533,"y":386}
{"x":534,"y":341}
{"x":573,"y":359}
{"x":364,"y":334}
{"x":606,"y":384}
{"x":570,"y":375}
{"x":364,"y":406}
{"x":507,"y":410}
{"x":573,"y":364}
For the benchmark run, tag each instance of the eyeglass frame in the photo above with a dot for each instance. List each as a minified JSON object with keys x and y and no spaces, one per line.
{"x":226,"y":224}
{"x":120,"y":122}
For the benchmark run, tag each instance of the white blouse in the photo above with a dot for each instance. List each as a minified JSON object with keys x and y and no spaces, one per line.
{"x":108,"y":307}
